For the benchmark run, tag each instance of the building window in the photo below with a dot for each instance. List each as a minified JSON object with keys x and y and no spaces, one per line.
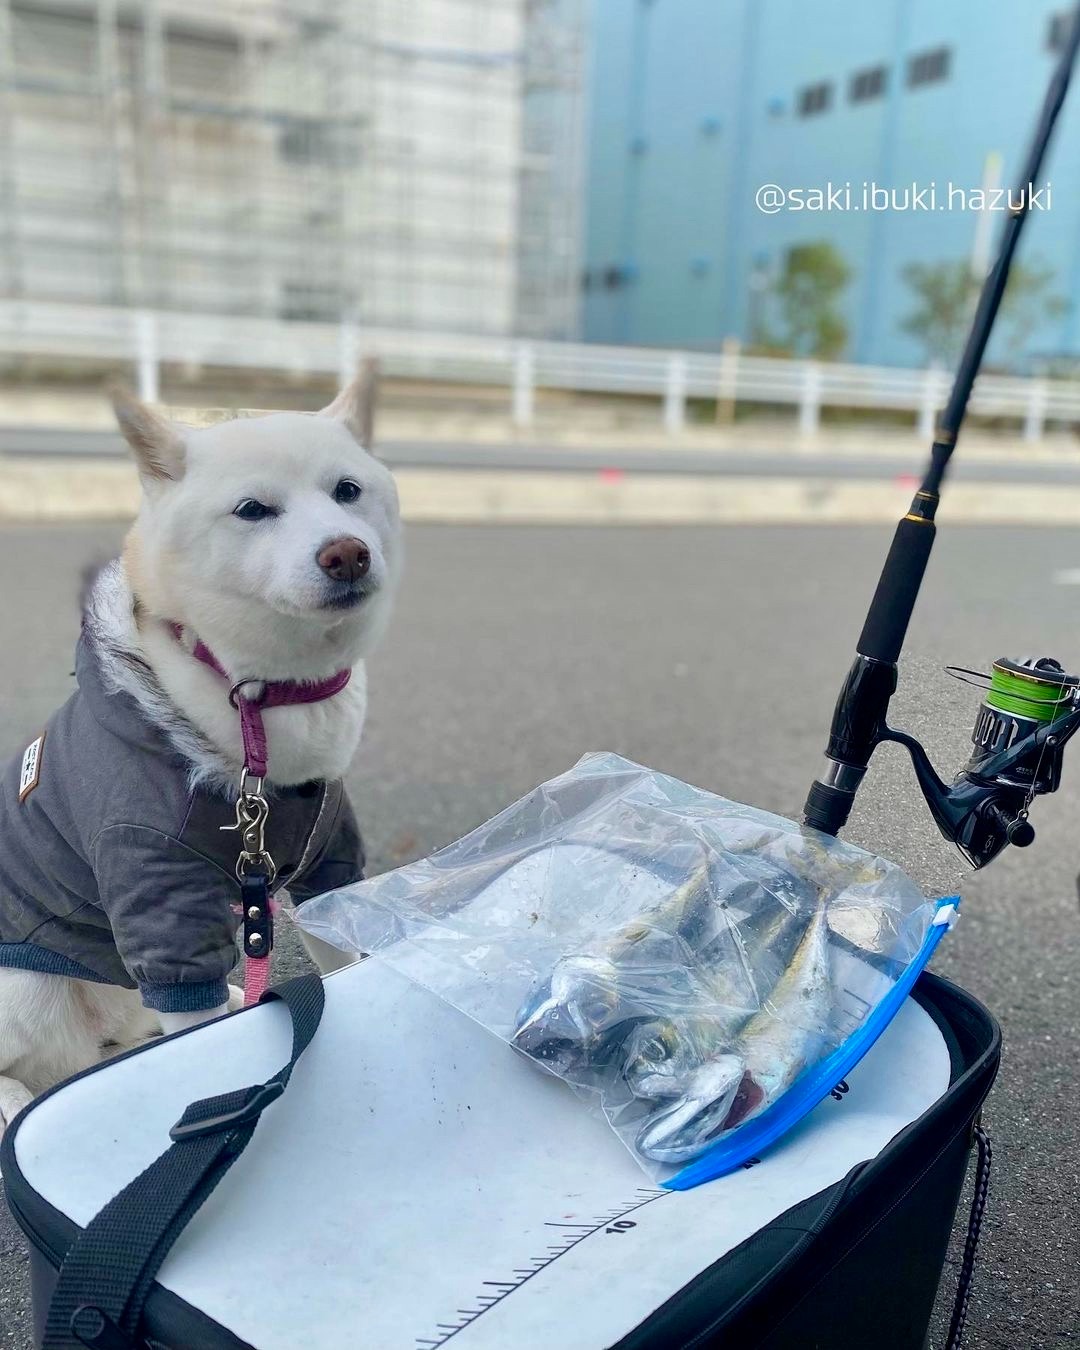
{"x":815,"y":98}
{"x":303,"y":303}
{"x":307,"y":140}
{"x":1057,"y":34}
{"x":867,"y":84}
{"x":929,"y":67}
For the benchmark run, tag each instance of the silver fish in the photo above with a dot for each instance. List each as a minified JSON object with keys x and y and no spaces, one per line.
{"x":756,"y":938}
{"x":717,"y":1075}
{"x":660,"y":1054}
{"x":706,"y":1007}
{"x":715,"y":941}
{"x":789,"y":1031}
{"x":579,"y":1015}
{"x":687,"y":1065}
{"x":697,"y":1116}
{"x":574,"y":1015}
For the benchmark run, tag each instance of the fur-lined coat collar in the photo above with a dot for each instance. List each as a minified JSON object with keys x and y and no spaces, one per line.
{"x":111,"y":642}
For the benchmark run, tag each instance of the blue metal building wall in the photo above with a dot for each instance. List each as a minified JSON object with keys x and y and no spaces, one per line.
{"x":693,"y":106}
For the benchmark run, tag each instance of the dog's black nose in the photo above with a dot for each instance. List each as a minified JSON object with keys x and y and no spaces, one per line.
{"x":344,"y":559}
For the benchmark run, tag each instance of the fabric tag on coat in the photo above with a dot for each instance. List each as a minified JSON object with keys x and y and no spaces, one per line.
{"x":30,"y":774}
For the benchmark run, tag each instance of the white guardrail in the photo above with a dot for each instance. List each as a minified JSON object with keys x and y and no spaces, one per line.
{"x":148,"y":339}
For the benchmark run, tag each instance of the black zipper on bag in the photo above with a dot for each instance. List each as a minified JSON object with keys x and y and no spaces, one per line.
{"x":32,"y":1232}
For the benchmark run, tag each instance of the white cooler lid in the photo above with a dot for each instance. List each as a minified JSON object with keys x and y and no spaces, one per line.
{"x":419,"y":1181}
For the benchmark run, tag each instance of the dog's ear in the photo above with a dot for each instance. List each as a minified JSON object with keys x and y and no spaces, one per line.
{"x":158,"y":446}
{"x":355,"y":405}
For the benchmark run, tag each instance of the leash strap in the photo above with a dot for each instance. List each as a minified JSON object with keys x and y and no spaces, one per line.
{"x":273,"y":694}
{"x":256,"y":979}
{"x":109,"y":1269}
{"x":258,"y":934}
{"x":255,"y":867}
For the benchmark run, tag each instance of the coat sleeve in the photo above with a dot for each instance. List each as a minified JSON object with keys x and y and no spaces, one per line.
{"x":339,"y":862}
{"x":171,"y":914}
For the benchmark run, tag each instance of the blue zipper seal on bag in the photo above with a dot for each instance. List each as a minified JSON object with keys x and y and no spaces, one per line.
{"x":815,"y":1083}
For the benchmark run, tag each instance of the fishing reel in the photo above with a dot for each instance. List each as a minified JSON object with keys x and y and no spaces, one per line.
{"x":1030,"y":710}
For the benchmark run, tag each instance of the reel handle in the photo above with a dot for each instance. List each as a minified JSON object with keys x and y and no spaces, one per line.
{"x":1019,"y":832}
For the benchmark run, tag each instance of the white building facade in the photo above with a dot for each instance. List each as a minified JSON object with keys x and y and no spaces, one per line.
{"x":395,"y":163}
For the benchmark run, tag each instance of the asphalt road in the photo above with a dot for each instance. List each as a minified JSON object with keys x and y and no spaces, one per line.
{"x":713,"y":654}
{"x":763,"y":463}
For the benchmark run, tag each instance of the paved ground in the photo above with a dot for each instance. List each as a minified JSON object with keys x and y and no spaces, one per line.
{"x":713,"y":654}
{"x":900,"y":455}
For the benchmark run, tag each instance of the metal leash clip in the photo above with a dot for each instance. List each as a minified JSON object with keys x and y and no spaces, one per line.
{"x":255,"y":868}
{"x":252,"y":810}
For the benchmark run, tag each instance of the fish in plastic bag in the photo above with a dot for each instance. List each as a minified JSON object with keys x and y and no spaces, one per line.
{"x":714,"y":1066}
{"x":680,"y":960}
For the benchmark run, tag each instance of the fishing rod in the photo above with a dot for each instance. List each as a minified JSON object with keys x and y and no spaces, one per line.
{"x":1032,"y":707}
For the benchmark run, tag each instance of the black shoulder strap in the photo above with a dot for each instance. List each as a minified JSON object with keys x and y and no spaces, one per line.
{"x":109,"y":1269}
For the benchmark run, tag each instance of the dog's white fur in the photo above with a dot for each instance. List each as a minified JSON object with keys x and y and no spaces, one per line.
{"x":254,"y":594}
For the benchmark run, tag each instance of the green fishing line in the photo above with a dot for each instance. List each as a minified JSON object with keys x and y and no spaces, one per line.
{"x":1034,"y":694}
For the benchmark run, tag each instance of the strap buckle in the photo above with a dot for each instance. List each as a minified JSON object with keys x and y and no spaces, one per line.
{"x":252,"y":1109}
{"x":90,"y":1326}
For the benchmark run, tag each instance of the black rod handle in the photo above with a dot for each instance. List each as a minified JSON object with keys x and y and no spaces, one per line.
{"x":857,"y":725}
{"x":890,"y":610}
{"x":859,"y":716}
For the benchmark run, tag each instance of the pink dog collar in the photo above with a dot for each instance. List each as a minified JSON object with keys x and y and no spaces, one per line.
{"x":274,"y":694}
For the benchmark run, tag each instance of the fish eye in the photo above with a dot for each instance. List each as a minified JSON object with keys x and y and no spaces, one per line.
{"x":596,"y":1010}
{"x":250,"y":509}
{"x":655,"y":1049}
{"x":347,"y":491}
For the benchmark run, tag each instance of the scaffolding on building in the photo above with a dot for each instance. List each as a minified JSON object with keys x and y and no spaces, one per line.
{"x":406,"y":163}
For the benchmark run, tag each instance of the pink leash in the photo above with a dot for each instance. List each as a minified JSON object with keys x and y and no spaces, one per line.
{"x":273,"y":694}
{"x":256,"y":978}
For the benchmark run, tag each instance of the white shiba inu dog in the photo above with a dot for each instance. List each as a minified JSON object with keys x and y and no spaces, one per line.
{"x":264,"y":561}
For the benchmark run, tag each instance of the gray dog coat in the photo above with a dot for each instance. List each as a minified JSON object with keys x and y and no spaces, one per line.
{"x":114,"y":868}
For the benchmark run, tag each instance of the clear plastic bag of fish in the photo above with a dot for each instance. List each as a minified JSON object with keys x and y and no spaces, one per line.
{"x":699,"y":971}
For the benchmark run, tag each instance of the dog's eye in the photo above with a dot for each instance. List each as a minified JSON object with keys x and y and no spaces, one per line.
{"x":347,"y":491}
{"x":250,"y":509}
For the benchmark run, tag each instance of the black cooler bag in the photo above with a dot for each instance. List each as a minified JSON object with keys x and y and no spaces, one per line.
{"x":417,"y":1184}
